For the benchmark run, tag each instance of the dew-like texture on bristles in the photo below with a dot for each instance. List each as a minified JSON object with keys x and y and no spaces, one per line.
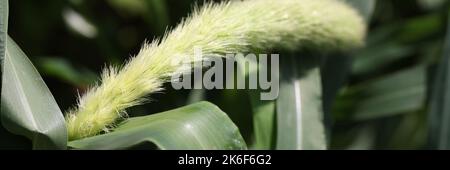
{"x":228,"y":27}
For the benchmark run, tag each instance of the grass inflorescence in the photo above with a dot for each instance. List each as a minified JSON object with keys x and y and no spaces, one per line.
{"x":218,"y":29}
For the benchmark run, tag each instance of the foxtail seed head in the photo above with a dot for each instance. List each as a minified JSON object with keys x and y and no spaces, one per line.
{"x":228,"y":27}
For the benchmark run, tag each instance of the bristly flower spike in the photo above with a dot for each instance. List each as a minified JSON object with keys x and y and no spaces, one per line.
{"x":218,"y":28}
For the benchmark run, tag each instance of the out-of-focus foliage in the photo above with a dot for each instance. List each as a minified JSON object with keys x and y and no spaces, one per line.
{"x":439,"y":111}
{"x":383,"y":104}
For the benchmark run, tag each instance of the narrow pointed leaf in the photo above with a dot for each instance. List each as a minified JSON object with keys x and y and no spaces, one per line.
{"x":263,"y":121}
{"x":263,"y":111}
{"x":439,"y":113}
{"x":400,"y":92}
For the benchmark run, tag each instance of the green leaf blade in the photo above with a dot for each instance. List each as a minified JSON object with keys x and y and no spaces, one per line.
{"x":3,"y":27}
{"x":401,"y":92}
{"x":197,"y":126}
{"x":263,"y":121}
{"x":439,"y":111}
{"x":28,"y":108}
{"x":299,"y":105}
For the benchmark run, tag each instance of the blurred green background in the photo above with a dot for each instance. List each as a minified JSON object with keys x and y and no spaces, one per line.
{"x":383,"y":103}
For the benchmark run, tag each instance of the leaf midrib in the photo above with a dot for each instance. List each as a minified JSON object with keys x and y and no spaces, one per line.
{"x":22,"y":96}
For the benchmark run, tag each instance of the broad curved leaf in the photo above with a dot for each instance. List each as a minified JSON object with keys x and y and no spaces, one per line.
{"x":28,"y":107}
{"x":9,"y":141}
{"x":196,"y":126}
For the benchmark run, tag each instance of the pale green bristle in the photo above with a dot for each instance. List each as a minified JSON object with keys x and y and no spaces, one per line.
{"x":230,"y":27}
